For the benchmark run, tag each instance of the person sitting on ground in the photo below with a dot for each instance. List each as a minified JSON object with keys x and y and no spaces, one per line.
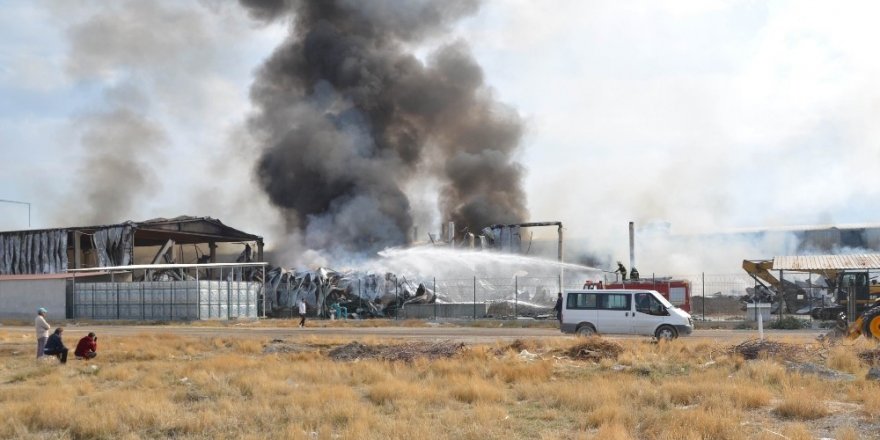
{"x":55,"y":346}
{"x":87,"y":347}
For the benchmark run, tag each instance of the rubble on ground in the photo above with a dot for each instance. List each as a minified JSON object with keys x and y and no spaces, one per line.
{"x":817,"y":370}
{"x":517,"y":345}
{"x":870,"y":357}
{"x":757,"y":348}
{"x":367,"y":295}
{"x":407,"y":352}
{"x":364,"y":294}
{"x":595,"y":349}
{"x":800,"y":296}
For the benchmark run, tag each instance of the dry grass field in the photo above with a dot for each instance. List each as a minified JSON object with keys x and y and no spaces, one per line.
{"x":161,"y":386}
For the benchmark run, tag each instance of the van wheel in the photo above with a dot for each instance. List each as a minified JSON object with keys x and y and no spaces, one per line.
{"x":666,"y":332}
{"x":586,"y":330}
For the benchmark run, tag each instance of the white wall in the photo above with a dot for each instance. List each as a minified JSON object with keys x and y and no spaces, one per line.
{"x":20,"y":299}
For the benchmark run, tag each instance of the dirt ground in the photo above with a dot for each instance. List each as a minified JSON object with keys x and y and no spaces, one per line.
{"x":417,"y":379}
{"x":465,"y":334}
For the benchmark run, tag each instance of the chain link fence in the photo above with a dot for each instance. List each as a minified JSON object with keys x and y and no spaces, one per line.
{"x":534,"y":297}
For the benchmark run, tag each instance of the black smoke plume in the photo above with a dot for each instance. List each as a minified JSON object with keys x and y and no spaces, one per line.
{"x":348,"y":115}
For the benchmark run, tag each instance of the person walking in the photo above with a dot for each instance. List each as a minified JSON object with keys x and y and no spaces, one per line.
{"x":558,"y":308}
{"x":55,"y":346}
{"x":42,"y":328}
{"x":302,"y":312}
{"x":87,"y":347}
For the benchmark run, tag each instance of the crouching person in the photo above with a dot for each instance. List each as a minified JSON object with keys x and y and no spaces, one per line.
{"x":87,"y":347}
{"x":55,"y":346}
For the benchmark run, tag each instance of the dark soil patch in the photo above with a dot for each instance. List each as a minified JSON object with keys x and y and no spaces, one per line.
{"x":403,"y":352}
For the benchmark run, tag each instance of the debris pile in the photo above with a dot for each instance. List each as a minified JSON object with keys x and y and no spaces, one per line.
{"x":517,"y":346}
{"x":368,"y":294}
{"x":870,"y":357}
{"x":595,"y":349}
{"x":817,"y":370}
{"x":407,"y":352}
{"x":361,"y":294}
{"x":756,"y":348}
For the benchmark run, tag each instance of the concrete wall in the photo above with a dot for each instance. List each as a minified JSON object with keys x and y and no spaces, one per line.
{"x":452,"y":310}
{"x":20,"y":299}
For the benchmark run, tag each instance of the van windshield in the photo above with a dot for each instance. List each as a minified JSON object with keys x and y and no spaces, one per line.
{"x":662,"y":300}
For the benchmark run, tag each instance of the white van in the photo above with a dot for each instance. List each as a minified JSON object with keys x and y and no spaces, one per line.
{"x":634,"y":312}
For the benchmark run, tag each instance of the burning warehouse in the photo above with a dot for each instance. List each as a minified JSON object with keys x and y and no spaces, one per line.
{"x":131,"y":270}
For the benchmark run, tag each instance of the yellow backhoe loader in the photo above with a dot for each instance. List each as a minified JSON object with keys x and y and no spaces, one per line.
{"x":856,"y":294}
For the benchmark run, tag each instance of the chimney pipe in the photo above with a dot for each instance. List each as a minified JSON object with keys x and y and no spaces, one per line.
{"x":632,"y":246}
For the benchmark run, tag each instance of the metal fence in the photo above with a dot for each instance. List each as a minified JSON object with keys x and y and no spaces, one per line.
{"x":166,"y":300}
{"x":477,"y":298}
{"x":220,"y":293}
{"x":514,"y":297}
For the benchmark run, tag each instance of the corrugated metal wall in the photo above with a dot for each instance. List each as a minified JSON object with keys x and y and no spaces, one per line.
{"x":166,"y":300}
{"x":33,"y":252}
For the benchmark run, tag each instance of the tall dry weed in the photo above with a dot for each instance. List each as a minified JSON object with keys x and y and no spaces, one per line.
{"x":611,"y":414}
{"x":846,"y":433}
{"x":801,"y":405}
{"x":844,"y":358}
{"x":611,"y":431}
{"x":694,"y":423}
{"x":168,"y":386}
{"x":475,"y":390}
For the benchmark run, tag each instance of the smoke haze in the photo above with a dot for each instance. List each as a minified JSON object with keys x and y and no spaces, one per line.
{"x":159,"y":131}
{"x":349,"y":116}
{"x":344,"y":123}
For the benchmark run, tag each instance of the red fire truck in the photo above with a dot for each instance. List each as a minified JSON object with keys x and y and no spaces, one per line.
{"x":678,"y":292}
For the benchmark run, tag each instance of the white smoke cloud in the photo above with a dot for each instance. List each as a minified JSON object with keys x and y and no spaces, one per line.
{"x":706,"y":115}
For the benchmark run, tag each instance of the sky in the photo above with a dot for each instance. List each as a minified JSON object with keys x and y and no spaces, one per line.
{"x":705,"y":116}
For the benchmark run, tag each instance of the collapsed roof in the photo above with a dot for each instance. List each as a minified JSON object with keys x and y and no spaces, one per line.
{"x":38,"y":251}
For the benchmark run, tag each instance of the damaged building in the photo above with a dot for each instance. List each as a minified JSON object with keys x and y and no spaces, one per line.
{"x":50,"y":251}
{"x":158,"y":269}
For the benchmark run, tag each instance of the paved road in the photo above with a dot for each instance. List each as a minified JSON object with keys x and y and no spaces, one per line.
{"x":440,"y":333}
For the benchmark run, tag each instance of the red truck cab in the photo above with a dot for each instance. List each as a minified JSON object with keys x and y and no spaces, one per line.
{"x":678,"y":292}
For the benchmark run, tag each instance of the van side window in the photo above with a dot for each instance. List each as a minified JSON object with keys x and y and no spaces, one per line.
{"x":581,"y":300}
{"x":615,"y":301}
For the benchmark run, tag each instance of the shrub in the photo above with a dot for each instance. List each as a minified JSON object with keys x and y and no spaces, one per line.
{"x":801,"y":405}
{"x":787,"y":323}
